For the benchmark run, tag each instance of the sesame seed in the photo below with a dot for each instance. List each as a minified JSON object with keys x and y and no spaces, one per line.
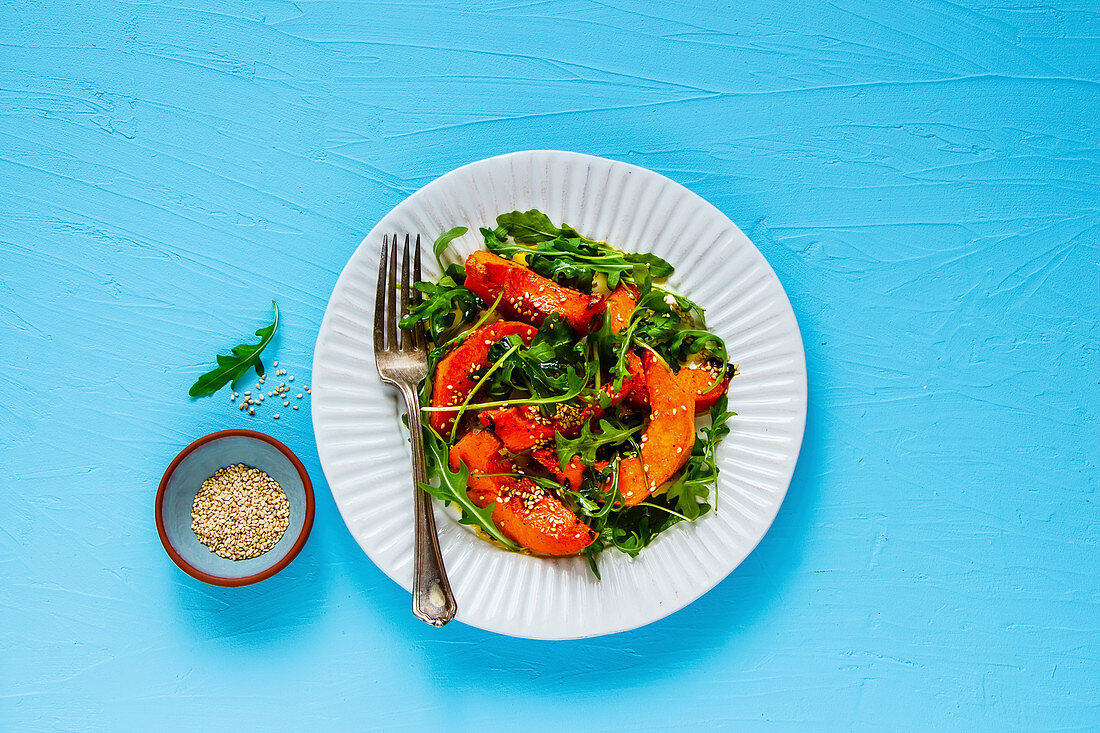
{"x":286,"y":404}
{"x":290,"y":378}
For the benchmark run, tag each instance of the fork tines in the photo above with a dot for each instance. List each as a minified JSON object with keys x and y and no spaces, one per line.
{"x":386,"y":311}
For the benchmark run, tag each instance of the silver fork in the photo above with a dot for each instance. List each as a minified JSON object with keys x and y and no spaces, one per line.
{"x":404,"y":364}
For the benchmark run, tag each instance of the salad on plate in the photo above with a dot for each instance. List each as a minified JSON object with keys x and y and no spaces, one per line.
{"x":573,"y":404}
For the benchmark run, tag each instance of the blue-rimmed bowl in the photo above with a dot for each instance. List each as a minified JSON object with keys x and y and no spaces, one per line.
{"x":198,"y":462}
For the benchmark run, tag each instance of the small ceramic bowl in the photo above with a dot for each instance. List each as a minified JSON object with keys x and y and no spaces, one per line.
{"x":198,"y":462}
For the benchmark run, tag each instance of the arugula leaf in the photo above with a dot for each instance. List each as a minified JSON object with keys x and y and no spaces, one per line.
{"x":590,"y":554}
{"x":554,"y":362}
{"x":452,"y":488}
{"x":445,"y":307}
{"x":636,"y":527}
{"x":564,"y":255}
{"x":690,"y":492}
{"x":658,"y":267}
{"x":666,"y":323}
{"x":586,"y":444}
{"x":444,"y":240}
{"x":693,"y":341}
{"x":231,"y":368}
{"x":642,"y":281}
{"x":528,"y":226}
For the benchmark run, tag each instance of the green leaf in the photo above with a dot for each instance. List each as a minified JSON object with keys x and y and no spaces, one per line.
{"x":689,"y":494}
{"x":445,"y":307}
{"x":586,"y":444}
{"x":590,"y":554}
{"x":444,"y":240}
{"x":658,"y":267}
{"x":642,"y":280}
{"x":694,"y":341}
{"x":564,"y":255}
{"x":528,"y":226}
{"x":232,"y":368}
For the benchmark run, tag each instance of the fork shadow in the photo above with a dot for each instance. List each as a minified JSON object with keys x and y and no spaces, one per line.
{"x":473,"y":659}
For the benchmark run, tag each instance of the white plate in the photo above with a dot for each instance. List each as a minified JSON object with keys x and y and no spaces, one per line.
{"x":364,"y":450}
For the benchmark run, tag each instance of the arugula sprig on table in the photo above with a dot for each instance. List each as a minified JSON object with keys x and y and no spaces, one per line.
{"x":242,"y":358}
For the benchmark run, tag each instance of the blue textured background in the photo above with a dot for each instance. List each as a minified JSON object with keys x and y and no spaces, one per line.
{"x":923,"y":177}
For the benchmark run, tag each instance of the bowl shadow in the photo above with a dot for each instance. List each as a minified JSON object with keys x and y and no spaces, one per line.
{"x":273,"y":611}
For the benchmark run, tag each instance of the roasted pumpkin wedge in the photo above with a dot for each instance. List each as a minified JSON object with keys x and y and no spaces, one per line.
{"x":528,"y":296}
{"x":620,"y":304}
{"x":519,"y":428}
{"x":667,"y":440}
{"x":525,"y":512}
{"x":453,"y":381}
{"x":697,"y":378}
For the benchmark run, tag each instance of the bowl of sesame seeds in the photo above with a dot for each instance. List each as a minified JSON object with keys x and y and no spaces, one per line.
{"x":234,"y":508}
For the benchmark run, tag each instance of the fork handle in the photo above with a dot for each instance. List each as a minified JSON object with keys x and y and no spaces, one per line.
{"x":433,"y":601}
